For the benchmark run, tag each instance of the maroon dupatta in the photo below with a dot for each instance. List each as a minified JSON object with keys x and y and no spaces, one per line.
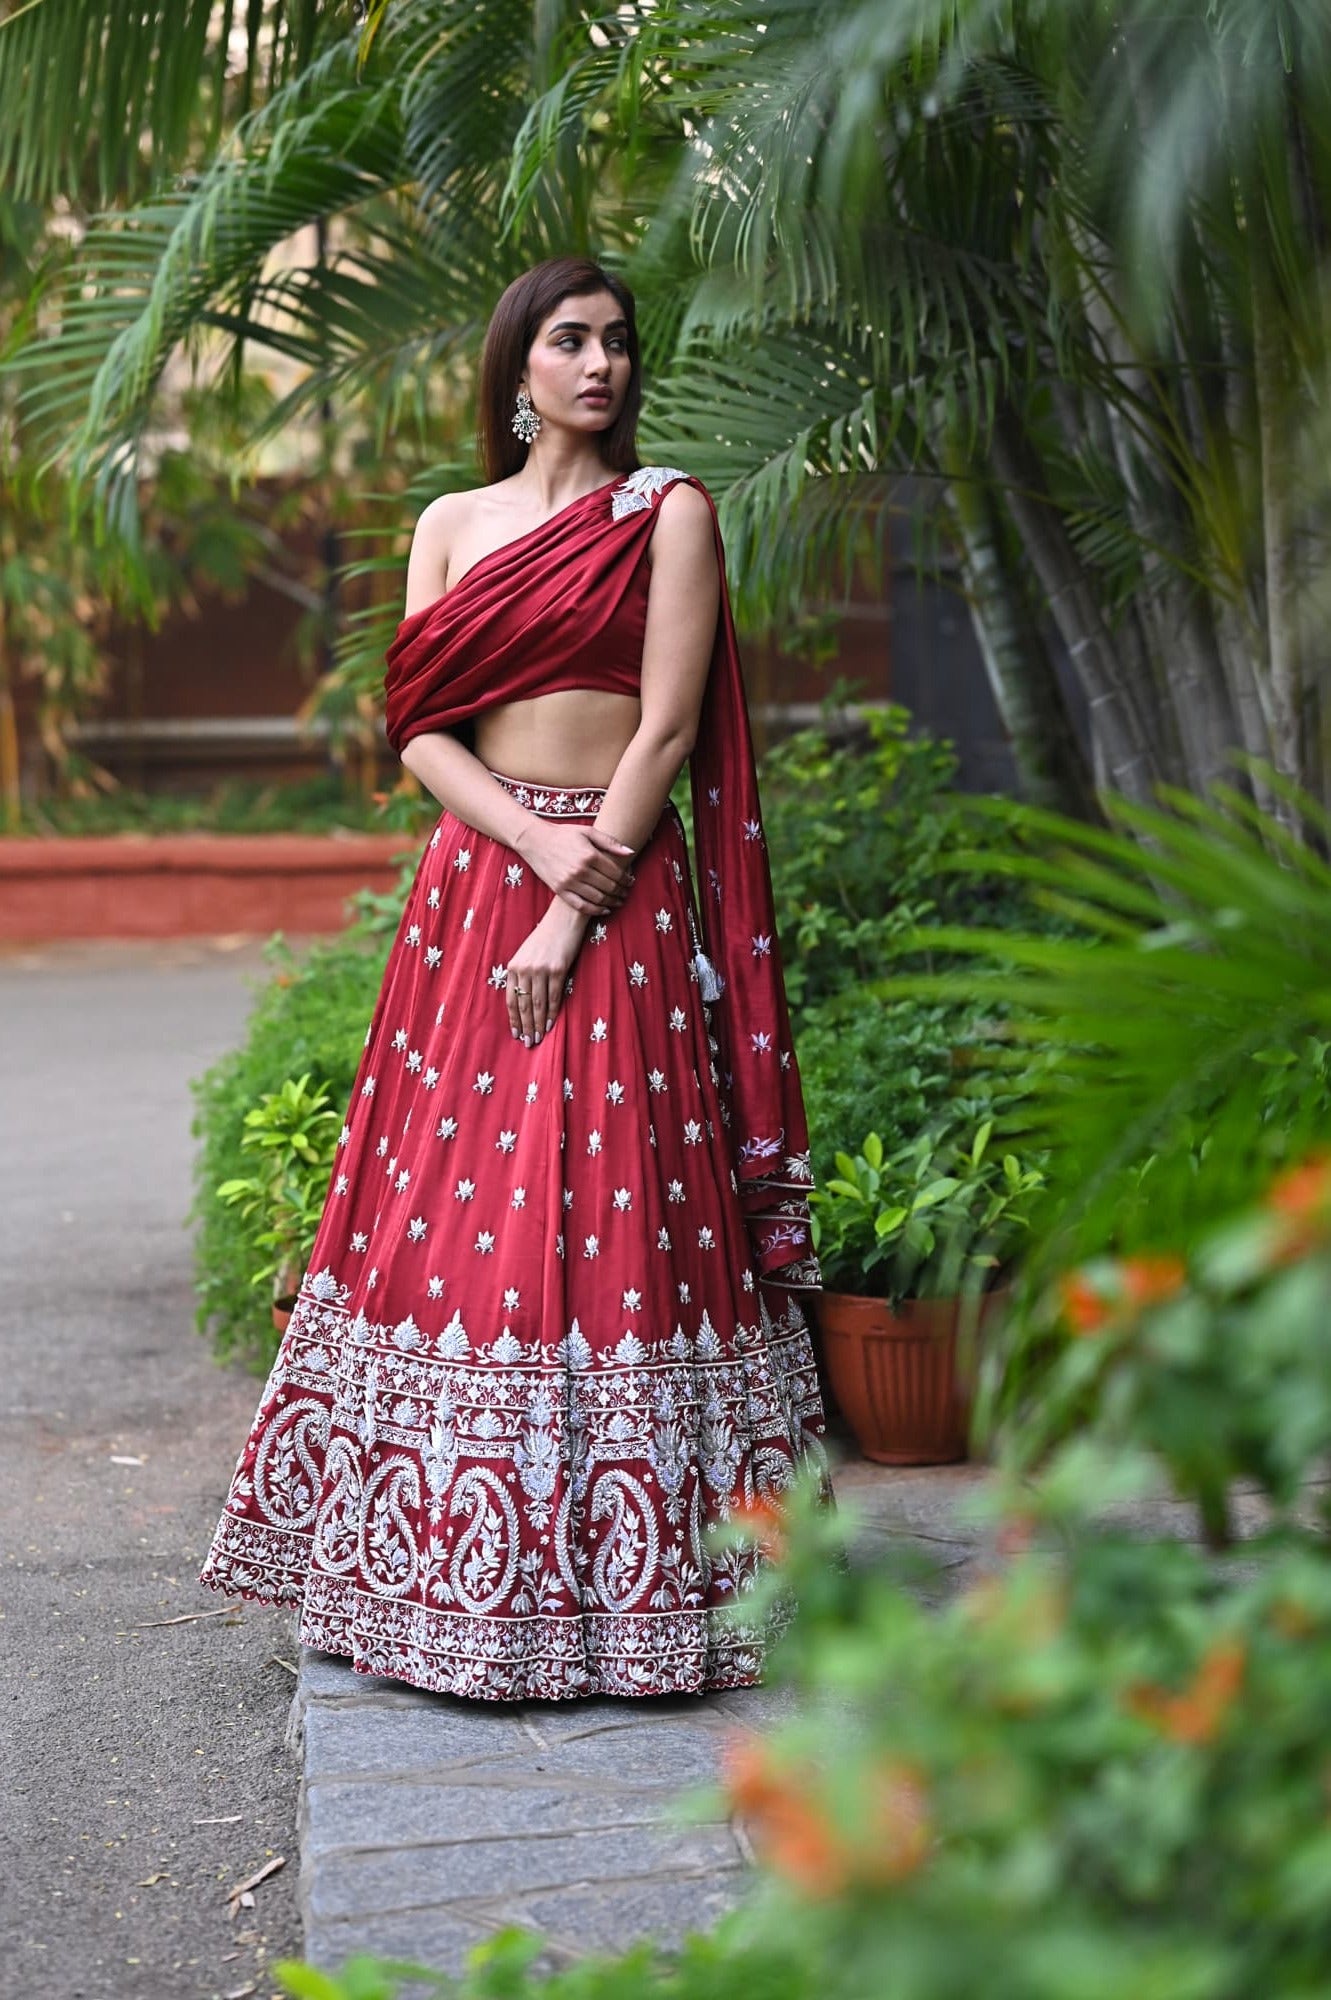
{"x":564,"y":606}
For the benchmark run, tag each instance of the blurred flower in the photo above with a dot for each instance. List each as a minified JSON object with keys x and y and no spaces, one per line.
{"x":1108,"y":1294}
{"x":1149,"y":1279}
{"x":1083,"y":1307}
{"x":794,"y":1835}
{"x":1300,"y":1199}
{"x":1195,"y":1715}
{"x":763,"y":1520}
{"x":790,"y":1832}
{"x":900,"y":1827}
{"x":1303,"y":1192}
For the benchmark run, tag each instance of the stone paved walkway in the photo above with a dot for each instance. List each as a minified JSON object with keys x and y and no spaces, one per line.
{"x":428,"y":1823}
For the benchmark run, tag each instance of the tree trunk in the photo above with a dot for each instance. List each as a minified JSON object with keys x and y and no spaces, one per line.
{"x":1049,"y":759}
{"x":1124,"y":753}
{"x":1270,"y":377}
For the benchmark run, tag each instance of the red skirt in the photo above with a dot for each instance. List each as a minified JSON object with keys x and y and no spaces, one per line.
{"x":533,"y":1358}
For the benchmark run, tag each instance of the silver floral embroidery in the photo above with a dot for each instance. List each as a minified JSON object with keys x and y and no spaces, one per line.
{"x":641,"y":487}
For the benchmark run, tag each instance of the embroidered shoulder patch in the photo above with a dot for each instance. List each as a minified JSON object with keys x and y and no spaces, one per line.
{"x":641,"y":488}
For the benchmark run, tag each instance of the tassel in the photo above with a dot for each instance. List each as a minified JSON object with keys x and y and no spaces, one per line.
{"x":710,"y":983}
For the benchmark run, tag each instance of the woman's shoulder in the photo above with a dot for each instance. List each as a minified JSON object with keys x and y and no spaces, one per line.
{"x":651,"y":485}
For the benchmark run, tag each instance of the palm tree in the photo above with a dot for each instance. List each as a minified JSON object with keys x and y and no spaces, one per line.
{"x":1060,"y":263}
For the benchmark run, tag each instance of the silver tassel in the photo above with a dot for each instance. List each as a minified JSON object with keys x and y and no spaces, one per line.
{"x":710,"y":981}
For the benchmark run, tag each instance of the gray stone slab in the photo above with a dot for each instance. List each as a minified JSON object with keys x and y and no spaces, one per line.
{"x":438,"y":1939}
{"x":371,"y":1813}
{"x":557,"y":1720}
{"x":760,"y":1708}
{"x":326,"y":1677}
{"x":486,"y":1872}
{"x":347,"y":1740}
{"x":667,"y":1754}
{"x":611,"y":1915}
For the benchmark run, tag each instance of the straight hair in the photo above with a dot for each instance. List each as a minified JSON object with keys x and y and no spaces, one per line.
{"x":514,"y":323}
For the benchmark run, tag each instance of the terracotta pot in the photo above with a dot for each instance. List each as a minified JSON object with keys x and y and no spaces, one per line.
{"x":893,"y":1372}
{"x":282,"y":1310}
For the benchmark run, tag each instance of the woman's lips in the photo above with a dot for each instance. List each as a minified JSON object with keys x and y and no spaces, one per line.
{"x":594,"y":396}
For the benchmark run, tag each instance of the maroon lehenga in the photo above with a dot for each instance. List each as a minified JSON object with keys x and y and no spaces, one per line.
{"x":550,"y":1331}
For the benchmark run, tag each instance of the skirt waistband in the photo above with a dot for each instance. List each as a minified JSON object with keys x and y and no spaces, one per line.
{"x":553,"y":801}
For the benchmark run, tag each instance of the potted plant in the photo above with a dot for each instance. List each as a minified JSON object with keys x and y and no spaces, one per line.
{"x":904,"y":1239}
{"x":292,"y":1130}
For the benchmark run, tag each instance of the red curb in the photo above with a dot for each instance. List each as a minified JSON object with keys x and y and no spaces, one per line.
{"x":185,"y":885}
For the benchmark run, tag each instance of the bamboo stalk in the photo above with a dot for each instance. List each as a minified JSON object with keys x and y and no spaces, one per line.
{"x":1124,"y":754}
{"x":1049,"y":759}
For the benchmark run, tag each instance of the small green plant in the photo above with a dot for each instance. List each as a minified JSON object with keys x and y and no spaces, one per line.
{"x":923,"y":1220}
{"x":292,"y":1130}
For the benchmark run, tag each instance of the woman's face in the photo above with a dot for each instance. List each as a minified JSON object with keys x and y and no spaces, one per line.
{"x":578,"y":367}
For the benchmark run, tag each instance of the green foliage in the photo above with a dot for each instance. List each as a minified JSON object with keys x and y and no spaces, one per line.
{"x":859,"y":835}
{"x":1178,"y":1044}
{"x":900,"y":1067}
{"x":1216,"y":1363}
{"x":308,"y":1021}
{"x":929,"y":1219}
{"x":706,"y":1967}
{"x":293,"y":1130}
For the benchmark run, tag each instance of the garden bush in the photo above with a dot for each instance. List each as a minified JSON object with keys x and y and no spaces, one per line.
{"x":859,"y":836}
{"x":898,"y":1068}
{"x":309,"y":1018}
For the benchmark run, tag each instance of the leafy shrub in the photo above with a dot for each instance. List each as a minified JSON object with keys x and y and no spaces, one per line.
{"x":859,"y":838}
{"x":897,"y":1068}
{"x":309,"y":1019}
{"x":927,"y":1220}
{"x":293,"y":1132}
{"x":1216,"y":1362}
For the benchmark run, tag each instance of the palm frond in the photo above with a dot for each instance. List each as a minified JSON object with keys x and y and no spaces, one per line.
{"x":82,"y":82}
{"x":1207,"y":958}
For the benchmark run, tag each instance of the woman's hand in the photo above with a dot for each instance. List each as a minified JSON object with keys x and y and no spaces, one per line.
{"x":537,"y":971}
{"x":587,"y":868}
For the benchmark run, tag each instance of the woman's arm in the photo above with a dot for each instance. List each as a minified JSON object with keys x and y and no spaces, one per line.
{"x":683,"y":602}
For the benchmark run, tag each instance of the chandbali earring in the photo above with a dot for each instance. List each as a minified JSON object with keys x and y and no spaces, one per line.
{"x":526,"y":422}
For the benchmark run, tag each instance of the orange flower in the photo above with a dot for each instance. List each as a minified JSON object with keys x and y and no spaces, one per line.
{"x":1083,"y":1307}
{"x":1303,"y":1193}
{"x":1195,"y":1715}
{"x":793,"y":1834}
{"x":899,"y":1814}
{"x":1148,"y":1279}
{"x":764,"y":1521}
{"x":1091,"y":1306}
{"x":790,"y":1831}
{"x":1300,"y":1200}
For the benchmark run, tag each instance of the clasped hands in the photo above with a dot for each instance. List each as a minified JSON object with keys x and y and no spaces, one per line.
{"x":590,"y":872}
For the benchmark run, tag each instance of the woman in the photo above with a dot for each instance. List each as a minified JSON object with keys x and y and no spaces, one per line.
{"x":549,"y":1333}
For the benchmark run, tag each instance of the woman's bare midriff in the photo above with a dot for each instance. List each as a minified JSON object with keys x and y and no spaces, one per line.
{"x":569,"y":737}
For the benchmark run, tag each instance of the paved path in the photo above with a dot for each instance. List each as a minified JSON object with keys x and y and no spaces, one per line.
{"x":142,"y":1767}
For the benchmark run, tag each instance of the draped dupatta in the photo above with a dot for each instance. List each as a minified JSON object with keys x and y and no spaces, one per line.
{"x":564,"y":606}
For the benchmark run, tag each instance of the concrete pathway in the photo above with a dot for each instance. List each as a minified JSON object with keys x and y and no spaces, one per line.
{"x":142,"y":1765}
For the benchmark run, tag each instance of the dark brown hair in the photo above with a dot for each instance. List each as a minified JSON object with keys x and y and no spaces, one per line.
{"x":523,"y":305}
